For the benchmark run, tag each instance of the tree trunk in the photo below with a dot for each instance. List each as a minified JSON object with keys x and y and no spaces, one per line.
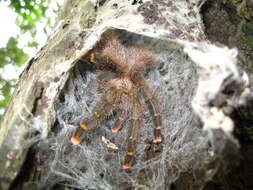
{"x":197,"y":84}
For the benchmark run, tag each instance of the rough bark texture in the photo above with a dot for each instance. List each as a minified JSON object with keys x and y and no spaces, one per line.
{"x":56,"y":90}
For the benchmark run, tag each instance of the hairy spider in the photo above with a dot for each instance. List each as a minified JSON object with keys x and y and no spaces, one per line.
{"x":123,"y":69}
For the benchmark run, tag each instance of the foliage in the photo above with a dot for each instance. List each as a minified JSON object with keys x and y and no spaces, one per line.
{"x":10,"y":54}
{"x":29,"y":13}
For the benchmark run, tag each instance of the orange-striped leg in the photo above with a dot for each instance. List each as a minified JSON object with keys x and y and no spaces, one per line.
{"x":99,"y":114}
{"x":153,"y":106}
{"x":154,"y":109}
{"x":132,"y":140}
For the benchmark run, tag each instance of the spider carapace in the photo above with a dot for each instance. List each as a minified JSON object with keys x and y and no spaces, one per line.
{"x":122,"y":70}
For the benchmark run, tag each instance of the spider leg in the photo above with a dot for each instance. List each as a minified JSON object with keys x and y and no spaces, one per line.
{"x":123,"y":111}
{"x":133,"y":132}
{"x":154,"y":109}
{"x":103,"y":109}
{"x":119,"y":121}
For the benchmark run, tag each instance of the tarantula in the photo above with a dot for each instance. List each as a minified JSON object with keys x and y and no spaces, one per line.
{"x":123,"y":69}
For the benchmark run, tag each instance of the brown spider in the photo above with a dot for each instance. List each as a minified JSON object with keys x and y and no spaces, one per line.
{"x":123,"y":77}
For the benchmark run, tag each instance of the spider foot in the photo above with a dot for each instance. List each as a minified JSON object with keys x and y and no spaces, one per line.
{"x":157,"y":148}
{"x":153,"y":149}
{"x":119,"y":121}
{"x":115,"y":129}
{"x":79,"y":134}
{"x":128,"y":161}
{"x":126,"y":166}
{"x":157,"y":140}
{"x":157,"y":144}
{"x":75,"y":140}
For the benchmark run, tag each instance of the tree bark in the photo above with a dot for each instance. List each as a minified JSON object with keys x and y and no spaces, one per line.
{"x":56,"y":90}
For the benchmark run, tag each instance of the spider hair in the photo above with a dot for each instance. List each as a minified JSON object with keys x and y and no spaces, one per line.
{"x":127,"y":59}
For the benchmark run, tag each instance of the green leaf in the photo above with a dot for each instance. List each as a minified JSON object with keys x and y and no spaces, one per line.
{"x":16,"y":55}
{"x":4,"y":102}
{"x":6,"y":89}
{"x":33,"y":44}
